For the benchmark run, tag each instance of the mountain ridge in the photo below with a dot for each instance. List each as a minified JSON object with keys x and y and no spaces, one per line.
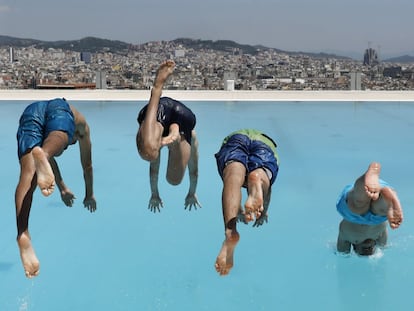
{"x":95,"y":44}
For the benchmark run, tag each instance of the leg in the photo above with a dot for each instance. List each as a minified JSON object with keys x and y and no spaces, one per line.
{"x":366,"y":189}
{"x":233,"y":179}
{"x":382,"y":240}
{"x":23,"y":201}
{"x":258,"y":184}
{"x":53,"y":145}
{"x":150,"y":132}
{"x":178,"y":157}
{"x":388,"y":204}
{"x":342,"y":243}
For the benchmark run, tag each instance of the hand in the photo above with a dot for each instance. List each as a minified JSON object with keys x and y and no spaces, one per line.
{"x":155,"y":203}
{"x":191,"y":201}
{"x":90,"y":204}
{"x":259,"y":221}
{"x":67,"y":197}
{"x":240,"y":216}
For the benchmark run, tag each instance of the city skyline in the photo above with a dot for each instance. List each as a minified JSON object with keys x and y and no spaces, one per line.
{"x":343,"y":28}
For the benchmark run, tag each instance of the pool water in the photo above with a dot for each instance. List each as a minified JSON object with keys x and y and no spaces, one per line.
{"x":124,"y":257}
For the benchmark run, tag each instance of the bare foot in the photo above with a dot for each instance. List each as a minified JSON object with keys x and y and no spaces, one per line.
{"x":163,"y":72}
{"x":173,"y":135}
{"x":372,"y":185}
{"x":45,"y":176}
{"x":30,"y":262}
{"x":224,"y":261}
{"x":395,"y":213}
{"x":254,"y":203}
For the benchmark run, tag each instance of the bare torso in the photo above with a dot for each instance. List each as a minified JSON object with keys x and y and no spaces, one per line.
{"x":357,"y":233}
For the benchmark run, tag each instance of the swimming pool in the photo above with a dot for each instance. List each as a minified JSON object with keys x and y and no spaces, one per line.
{"x":123,"y":257}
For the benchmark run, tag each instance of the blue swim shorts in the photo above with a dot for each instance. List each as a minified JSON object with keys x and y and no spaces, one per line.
{"x":253,"y":154}
{"x":41,"y":118}
{"x":367,"y":219}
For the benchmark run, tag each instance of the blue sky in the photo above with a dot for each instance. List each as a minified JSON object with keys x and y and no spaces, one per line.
{"x":293,"y":25}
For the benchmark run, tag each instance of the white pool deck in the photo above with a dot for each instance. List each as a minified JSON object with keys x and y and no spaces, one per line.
{"x":132,"y":95}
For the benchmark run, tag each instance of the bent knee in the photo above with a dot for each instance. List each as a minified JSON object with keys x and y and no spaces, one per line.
{"x":148,"y":154}
{"x":174,"y":181}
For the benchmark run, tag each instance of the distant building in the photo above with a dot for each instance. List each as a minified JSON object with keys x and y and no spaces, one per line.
{"x":86,"y":57}
{"x":100,"y":80}
{"x":12,"y":58}
{"x":179,"y":53}
{"x":393,"y":72}
{"x":229,"y":86}
{"x":371,"y":57}
{"x":355,"y":81}
{"x":229,"y":77}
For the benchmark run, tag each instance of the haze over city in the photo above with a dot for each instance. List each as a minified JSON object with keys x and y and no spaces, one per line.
{"x":343,"y":27}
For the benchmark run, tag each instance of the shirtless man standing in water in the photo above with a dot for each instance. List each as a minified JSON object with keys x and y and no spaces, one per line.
{"x":366,"y":206}
{"x":46,"y":128}
{"x":247,"y":159}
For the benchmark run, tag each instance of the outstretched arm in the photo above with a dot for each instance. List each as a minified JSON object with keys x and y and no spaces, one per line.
{"x":65,"y":193}
{"x":343,"y":245}
{"x":191,"y":199}
{"x":382,"y":239}
{"x":155,"y":202}
{"x":82,"y":133}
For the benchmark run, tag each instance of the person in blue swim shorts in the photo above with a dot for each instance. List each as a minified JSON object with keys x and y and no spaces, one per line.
{"x":46,"y":129}
{"x":168,"y":122}
{"x":247,"y":159}
{"x":366,"y":206}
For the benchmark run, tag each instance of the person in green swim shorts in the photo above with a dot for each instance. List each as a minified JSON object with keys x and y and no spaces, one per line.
{"x":247,"y":159}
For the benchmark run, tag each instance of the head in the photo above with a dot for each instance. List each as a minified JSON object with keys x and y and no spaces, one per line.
{"x":365,"y":248}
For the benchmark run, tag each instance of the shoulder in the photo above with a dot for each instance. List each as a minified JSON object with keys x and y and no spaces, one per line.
{"x":357,"y":233}
{"x":79,"y":118}
{"x":81,"y":126}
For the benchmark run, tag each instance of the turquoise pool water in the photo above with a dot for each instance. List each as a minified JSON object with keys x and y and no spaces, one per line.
{"x":123,"y":257}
